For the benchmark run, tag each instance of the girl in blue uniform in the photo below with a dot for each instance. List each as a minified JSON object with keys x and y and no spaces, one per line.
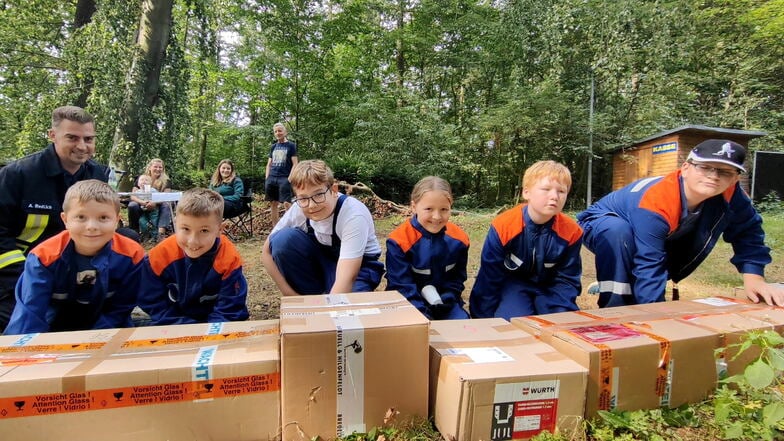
{"x":427,"y":255}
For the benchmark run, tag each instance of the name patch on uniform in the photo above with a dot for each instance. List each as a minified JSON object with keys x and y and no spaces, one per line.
{"x":37,"y":206}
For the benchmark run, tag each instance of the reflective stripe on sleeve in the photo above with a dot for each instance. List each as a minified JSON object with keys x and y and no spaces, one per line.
{"x":11,"y":257}
{"x":34,"y":228}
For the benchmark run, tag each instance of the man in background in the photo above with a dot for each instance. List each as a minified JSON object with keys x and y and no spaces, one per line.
{"x":282,"y":157}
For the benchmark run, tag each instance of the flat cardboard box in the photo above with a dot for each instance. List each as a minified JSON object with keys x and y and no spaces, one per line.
{"x":491,"y":381}
{"x":641,"y":365}
{"x":544,"y":325}
{"x":349,"y":362}
{"x":216,"y":381}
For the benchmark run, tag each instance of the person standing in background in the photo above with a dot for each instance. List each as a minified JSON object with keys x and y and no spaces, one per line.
{"x":33,"y":192}
{"x":282,"y":157}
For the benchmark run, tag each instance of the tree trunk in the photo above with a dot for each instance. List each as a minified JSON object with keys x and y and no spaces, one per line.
{"x":84,"y":15}
{"x":143,"y":78}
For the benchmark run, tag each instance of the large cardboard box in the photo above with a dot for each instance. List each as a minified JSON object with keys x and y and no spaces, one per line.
{"x":641,"y":364}
{"x":215,"y":381}
{"x":545,"y":325}
{"x":348,"y":361}
{"x":491,"y":381}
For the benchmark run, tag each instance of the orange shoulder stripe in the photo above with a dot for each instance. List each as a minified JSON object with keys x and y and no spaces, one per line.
{"x":567,"y":228}
{"x":51,"y":249}
{"x":127,"y":247}
{"x":456,"y":232}
{"x":405,"y":236}
{"x":664,"y":199}
{"x":509,"y":223}
{"x":227,"y":259}
{"x":164,"y":253}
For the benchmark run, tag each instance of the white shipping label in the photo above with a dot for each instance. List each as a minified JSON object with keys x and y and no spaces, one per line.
{"x":350,"y":370}
{"x":480,"y":355}
{"x":715,"y":301}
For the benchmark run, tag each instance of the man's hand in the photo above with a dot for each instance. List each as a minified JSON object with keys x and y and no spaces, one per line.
{"x":756,"y":289}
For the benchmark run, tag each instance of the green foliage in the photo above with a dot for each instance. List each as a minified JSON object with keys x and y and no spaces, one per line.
{"x":417,"y":429}
{"x":771,"y":204}
{"x":387,"y":92}
{"x":749,"y":405}
{"x":653,"y":425}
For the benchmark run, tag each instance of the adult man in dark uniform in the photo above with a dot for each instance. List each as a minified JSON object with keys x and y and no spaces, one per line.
{"x":33,"y":189}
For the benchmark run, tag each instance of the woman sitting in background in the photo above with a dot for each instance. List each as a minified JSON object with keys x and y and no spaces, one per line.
{"x":160,"y":182}
{"x":226,"y":182}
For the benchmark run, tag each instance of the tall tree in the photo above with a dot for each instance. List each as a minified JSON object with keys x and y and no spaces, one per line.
{"x":143,"y":78}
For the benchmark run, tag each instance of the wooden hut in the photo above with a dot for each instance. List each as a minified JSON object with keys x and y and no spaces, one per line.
{"x":664,"y":152}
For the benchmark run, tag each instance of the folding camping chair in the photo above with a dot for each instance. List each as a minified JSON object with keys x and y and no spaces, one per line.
{"x":241,"y":225}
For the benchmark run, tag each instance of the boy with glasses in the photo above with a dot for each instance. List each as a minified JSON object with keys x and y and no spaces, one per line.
{"x":662,"y":228}
{"x":326,"y":242}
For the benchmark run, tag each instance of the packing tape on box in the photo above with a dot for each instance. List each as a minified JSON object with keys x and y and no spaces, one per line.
{"x":119,"y":397}
{"x":74,"y":380}
{"x":350,"y":369}
{"x":140,"y":343}
{"x":439,"y":346}
{"x":664,"y":368}
{"x":608,"y":372}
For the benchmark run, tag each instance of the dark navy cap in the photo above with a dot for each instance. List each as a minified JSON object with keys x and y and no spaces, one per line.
{"x":719,"y":150}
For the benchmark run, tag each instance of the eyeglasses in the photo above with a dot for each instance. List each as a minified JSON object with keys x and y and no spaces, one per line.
{"x":707,"y":170}
{"x":317,"y":198}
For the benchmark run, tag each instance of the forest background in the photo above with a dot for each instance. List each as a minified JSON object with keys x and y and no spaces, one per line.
{"x":387,"y":91}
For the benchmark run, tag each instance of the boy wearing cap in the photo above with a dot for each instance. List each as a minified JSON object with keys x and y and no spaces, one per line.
{"x":662,"y":228}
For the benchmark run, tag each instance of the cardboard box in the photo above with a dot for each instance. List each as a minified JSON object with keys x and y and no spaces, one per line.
{"x":641,"y":365}
{"x":732,"y":329}
{"x":544,"y":325}
{"x":216,"y":381}
{"x":491,"y":381}
{"x":348,"y":361}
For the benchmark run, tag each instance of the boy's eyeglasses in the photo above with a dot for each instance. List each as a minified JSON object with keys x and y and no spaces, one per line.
{"x":317,"y":198}
{"x":707,"y":170}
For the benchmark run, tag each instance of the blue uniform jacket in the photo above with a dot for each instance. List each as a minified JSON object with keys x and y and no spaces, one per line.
{"x":415,"y":258}
{"x":547,"y":256}
{"x":45,"y":296}
{"x":655,"y":207}
{"x":177,"y":289}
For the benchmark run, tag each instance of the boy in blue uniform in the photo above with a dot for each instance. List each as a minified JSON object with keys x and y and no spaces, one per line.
{"x":662,"y":228}
{"x":196,"y":275}
{"x":531,"y":256}
{"x":427,"y":255}
{"x":86,"y":277}
{"x":326,"y":243}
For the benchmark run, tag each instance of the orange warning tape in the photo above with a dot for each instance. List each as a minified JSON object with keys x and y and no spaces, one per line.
{"x":114,"y":398}
{"x":71,"y":347}
{"x":665,"y":353}
{"x":198,"y":338}
{"x":605,"y":376}
{"x":606,"y":363}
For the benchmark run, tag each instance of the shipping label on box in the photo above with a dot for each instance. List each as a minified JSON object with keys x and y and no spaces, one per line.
{"x":180,"y":382}
{"x":490,"y":380}
{"x":349,"y":361}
